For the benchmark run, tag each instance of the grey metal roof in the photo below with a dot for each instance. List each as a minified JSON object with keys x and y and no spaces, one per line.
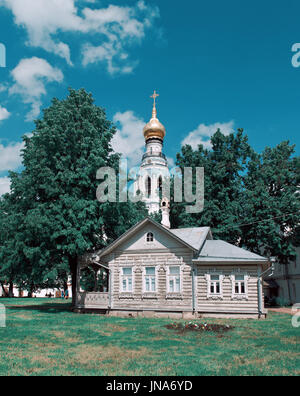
{"x":218,"y":250}
{"x":194,"y":236}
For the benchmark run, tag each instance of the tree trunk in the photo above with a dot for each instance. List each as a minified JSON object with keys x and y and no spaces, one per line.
{"x":4,"y":290}
{"x":73,"y":270}
{"x":11,"y":290}
{"x":30,"y":292}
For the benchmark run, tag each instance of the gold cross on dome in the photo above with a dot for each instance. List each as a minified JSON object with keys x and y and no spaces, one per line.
{"x":154,"y":96}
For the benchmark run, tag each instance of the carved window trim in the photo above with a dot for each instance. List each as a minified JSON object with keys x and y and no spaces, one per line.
{"x":126,"y":293}
{"x":239,"y":296}
{"x":150,"y":294}
{"x":169,"y":276}
{"x":210,"y":295}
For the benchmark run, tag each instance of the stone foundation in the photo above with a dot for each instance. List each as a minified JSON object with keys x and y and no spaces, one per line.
{"x":171,"y":315}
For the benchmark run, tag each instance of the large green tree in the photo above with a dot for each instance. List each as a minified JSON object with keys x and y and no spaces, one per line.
{"x":57,"y":187}
{"x":271,"y":203}
{"x":251,"y":199}
{"x":224,"y":165}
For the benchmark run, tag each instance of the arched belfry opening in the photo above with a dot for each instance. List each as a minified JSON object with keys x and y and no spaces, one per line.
{"x":148,"y":186}
{"x":159,"y":186}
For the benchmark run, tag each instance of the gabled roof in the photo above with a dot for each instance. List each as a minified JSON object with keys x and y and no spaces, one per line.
{"x":135,"y":228}
{"x":195,"y":236}
{"x":197,"y":239}
{"x":221,"y":251}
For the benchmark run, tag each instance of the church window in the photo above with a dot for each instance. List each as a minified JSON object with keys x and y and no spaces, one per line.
{"x":148,"y":187}
{"x":150,"y":237}
{"x":150,"y":280}
{"x":127,"y":280}
{"x":174,"y":282}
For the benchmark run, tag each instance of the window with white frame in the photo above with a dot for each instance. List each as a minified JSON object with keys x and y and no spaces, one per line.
{"x":239,"y":286}
{"x":127,"y":280}
{"x":174,"y":281}
{"x":150,"y":237}
{"x":150,"y":280}
{"x":214,"y":285}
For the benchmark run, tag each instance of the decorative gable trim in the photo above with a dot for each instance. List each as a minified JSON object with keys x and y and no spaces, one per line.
{"x":135,"y":228}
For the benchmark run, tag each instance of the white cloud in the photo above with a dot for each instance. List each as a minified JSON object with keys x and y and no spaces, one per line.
{"x":4,"y":185}
{"x":3,"y":87}
{"x":114,"y":28}
{"x":43,"y":19}
{"x":203,"y":134}
{"x":30,"y":77}
{"x":10,"y":156}
{"x":171,"y":162}
{"x":121,"y":26}
{"x":129,"y":139}
{"x":107,"y":53}
{"x":4,"y":114}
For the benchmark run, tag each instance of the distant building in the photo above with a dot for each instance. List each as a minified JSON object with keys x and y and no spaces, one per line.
{"x":284,"y":284}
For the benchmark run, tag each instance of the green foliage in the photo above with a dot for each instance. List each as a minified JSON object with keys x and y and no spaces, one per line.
{"x":54,"y":214}
{"x":93,"y":280}
{"x":224,"y":166}
{"x":251,"y":199}
{"x":272,"y":203}
{"x":157,"y":216}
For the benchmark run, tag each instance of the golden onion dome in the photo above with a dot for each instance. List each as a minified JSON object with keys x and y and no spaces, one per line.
{"x":154,"y":129}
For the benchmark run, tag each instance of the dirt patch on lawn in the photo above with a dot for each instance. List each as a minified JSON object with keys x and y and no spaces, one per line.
{"x":109,"y":329}
{"x":59,"y":334}
{"x":21,"y":316}
{"x":285,"y":310}
{"x":199,"y":327}
{"x":92,"y":356}
{"x":44,"y":361}
{"x":114,"y":327}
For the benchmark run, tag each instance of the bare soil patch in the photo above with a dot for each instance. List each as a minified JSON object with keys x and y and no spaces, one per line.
{"x":199,"y":327}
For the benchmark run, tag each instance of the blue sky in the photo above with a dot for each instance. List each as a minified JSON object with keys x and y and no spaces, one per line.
{"x":214,"y":64}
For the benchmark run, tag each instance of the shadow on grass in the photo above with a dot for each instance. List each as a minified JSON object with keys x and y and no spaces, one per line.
{"x":49,"y":308}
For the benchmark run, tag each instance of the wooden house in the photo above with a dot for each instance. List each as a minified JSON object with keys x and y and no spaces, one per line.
{"x":182,"y":273}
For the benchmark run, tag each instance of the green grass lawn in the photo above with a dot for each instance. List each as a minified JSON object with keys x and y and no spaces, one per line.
{"x":43,"y":337}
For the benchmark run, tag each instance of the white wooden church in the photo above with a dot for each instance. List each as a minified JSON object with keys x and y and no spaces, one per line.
{"x":153,"y":270}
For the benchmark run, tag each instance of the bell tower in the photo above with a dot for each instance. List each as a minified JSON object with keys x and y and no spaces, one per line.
{"x":154,"y":165}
